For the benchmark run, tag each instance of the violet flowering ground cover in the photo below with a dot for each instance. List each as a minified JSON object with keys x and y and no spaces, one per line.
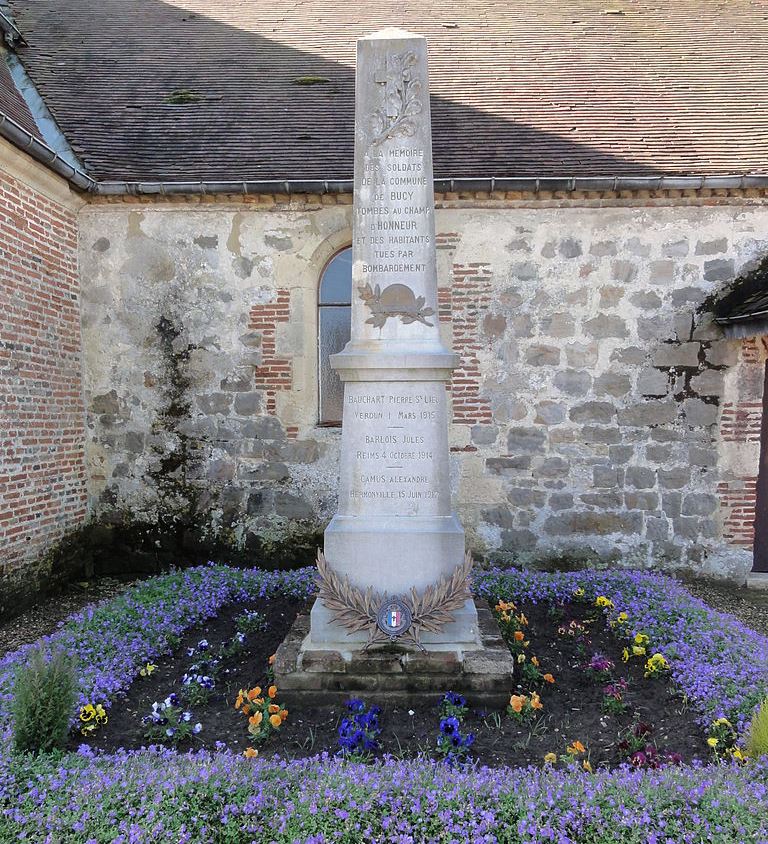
{"x":158,"y":794}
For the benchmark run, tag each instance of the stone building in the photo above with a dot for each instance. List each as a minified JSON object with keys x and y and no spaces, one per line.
{"x":175,"y":223}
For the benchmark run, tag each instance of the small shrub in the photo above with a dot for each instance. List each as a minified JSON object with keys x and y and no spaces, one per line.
{"x":44,"y":699}
{"x":757,"y":736}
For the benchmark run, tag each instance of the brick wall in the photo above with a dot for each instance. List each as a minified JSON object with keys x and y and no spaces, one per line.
{"x":740,"y":423}
{"x":274,"y":373}
{"x":42,"y":472}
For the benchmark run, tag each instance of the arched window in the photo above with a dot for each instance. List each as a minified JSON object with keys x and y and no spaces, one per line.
{"x":334,"y":316}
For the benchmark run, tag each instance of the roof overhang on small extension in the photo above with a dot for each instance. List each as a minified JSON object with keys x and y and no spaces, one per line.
{"x":743,"y":310}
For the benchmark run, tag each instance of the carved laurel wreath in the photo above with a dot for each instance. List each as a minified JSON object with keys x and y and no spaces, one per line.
{"x":357,"y":610}
{"x":402,"y":103}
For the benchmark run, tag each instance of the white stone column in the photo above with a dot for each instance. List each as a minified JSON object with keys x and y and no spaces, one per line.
{"x":394,"y":528}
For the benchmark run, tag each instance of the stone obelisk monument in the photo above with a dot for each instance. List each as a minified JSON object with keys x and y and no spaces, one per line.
{"x":394,"y":530}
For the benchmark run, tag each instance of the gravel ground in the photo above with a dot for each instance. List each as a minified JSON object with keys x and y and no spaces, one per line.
{"x":749,"y":605}
{"x":45,"y":616}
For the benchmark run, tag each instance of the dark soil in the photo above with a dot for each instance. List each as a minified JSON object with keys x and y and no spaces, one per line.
{"x":572,"y":706}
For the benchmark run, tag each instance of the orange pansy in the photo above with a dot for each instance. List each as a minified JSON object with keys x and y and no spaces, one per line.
{"x":272,"y":691}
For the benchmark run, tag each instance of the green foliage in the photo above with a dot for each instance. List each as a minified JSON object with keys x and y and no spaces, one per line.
{"x":757,"y":737}
{"x":310,"y":80}
{"x":183,"y":96}
{"x":44,"y":700}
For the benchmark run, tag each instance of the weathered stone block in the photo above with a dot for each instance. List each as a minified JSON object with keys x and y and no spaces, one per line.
{"x":248,"y":404}
{"x":596,"y":434}
{"x":542,"y":355}
{"x":722,"y":352}
{"x":641,"y":500}
{"x":525,"y":440}
{"x":649,"y":412}
{"x":623,"y":271}
{"x":569,"y":247}
{"x":719,"y":269}
{"x":560,"y":501}
{"x":239,"y":381}
{"x":699,"y":504}
{"x":573,"y":382}
{"x":675,"y":248}
{"x":292,"y":507}
{"x":550,"y":467}
{"x":581,"y":354}
{"x":613,"y":384}
{"x":524,"y":497}
{"x":505,"y":465}
{"x":620,"y":454}
{"x":687,"y":297}
{"x":711,"y":247}
{"x":558,"y":325}
{"x":606,"y":325}
{"x":518,"y":540}
{"x":659,"y":453}
{"x":700,"y":413}
{"x":594,"y":411}
{"x":326,"y":661}
{"x":603,"y":500}
{"x":656,"y":529}
{"x":603,"y":249}
{"x":550,"y":413}
{"x":501,"y":516}
{"x":675,"y":478}
{"x":597,"y":523}
{"x":662,"y":272}
{"x":605,"y":476}
{"x":640,"y":477}
{"x":653,"y":382}
{"x":484,"y":434}
{"x":646,"y":300}
{"x":671,"y":355}
{"x":263,"y":428}
{"x":611,"y":296}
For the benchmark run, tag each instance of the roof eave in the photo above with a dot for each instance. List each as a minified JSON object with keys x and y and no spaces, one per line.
{"x":568,"y":184}
{"x":21,"y":138}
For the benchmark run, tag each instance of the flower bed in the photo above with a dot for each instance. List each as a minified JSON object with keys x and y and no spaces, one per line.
{"x":160,"y":794}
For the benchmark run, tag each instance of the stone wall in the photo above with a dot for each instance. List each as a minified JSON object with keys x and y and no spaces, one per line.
{"x":42,"y":470}
{"x":592,"y":407}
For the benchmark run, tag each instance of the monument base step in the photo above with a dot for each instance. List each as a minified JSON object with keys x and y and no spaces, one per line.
{"x":482,"y":672}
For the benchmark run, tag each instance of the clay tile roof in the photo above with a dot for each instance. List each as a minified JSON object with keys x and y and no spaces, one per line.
{"x":12,"y":104}
{"x":263,"y":89}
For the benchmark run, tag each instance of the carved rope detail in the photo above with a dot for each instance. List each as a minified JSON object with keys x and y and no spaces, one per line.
{"x":357,"y":610}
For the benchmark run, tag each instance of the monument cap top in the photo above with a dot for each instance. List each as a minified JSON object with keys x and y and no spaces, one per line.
{"x":392,"y":32}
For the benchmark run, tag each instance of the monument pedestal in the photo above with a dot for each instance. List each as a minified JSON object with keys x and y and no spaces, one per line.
{"x":394,"y":615}
{"x":482,"y":670}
